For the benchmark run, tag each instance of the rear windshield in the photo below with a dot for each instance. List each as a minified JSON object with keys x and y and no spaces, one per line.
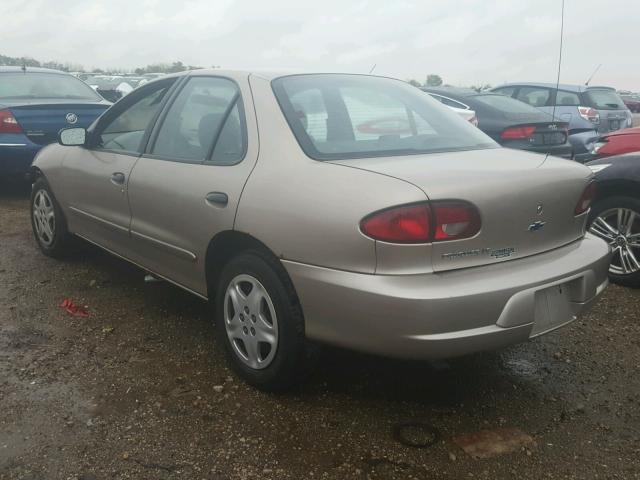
{"x":506,"y":104}
{"x":604,"y":99}
{"x":44,"y":85}
{"x":354,"y":116}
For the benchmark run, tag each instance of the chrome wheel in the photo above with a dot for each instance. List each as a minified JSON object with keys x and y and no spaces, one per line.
{"x":250,"y":321}
{"x":620,"y":227}
{"x":44,"y":217}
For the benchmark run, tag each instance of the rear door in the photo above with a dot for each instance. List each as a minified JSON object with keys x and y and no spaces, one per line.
{"x":96,"y":177}
{"x":186,"y":187}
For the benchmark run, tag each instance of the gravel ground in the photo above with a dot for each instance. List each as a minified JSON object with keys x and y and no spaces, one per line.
{"x":140,"y":390}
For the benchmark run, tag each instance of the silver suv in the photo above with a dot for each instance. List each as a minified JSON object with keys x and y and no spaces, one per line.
{"x":590,"y":111}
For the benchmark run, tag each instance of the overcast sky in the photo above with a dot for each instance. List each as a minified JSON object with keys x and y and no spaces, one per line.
{"x":466,"y":41}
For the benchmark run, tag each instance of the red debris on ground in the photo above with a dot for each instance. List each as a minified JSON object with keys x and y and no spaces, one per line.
{"x":73,"y":309}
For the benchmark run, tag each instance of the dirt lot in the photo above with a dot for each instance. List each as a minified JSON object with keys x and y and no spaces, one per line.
{"x":140,"y":390}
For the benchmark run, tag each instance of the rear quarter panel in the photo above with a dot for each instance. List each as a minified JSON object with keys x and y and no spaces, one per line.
{"x":306,"y":210}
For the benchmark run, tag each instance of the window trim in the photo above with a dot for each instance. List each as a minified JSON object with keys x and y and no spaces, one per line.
{"x":119,"y":107}
{"x":155,"y":131}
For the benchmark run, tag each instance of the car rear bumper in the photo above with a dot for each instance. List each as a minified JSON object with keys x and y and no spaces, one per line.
{"x":451,"y":313}
{"x":16,"y":154}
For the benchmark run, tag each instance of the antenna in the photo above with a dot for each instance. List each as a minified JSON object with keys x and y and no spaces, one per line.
{"x":592,"y":75}
{"x":559,"y":59}
{"x":373,"y":68}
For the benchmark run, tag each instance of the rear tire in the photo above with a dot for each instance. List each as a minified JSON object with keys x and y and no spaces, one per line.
{"x":47,"y":221}
{"x":259,"y":320}
{"x":617,"y":221}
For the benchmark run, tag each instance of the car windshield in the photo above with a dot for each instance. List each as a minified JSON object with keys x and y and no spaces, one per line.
{"x":44,"y":85}
{"x":355,"y":116}
{"x":604,"y":99}
{"x":506,"y":104}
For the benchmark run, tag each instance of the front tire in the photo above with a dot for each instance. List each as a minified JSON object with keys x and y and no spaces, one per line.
{"x":47,"y":221}
{"x":617,"y":221}
{"x":259,"y":321}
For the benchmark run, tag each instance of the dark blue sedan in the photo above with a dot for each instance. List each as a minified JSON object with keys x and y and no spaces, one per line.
{"x":35,"y":103}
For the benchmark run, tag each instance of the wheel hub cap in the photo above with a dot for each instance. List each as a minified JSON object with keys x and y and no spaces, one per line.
{"x":620,"y":227}
{"x":250,"y":321}
{"x":44,"y":218}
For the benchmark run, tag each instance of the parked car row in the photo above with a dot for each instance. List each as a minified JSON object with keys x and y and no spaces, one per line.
{"x":509,"y":122}
{"x":270,"y":194}
{"x":589,"y":111}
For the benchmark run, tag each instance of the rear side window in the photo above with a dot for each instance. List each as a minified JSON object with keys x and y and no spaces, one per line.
{"x":353,"y":116}
{"x":564,"y":98}
{"x":206,"y":110}
{"x":604,"y":99}
{"x":45,"y":85}
{"x":536,"y":97}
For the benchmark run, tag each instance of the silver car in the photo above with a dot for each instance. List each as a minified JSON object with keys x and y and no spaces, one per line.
{"x":347,"y":209}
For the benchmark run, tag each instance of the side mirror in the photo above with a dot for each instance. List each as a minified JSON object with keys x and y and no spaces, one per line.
{"x":72,"y":137}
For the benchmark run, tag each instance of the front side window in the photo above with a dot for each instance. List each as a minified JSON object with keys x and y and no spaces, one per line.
{"x":536,"y":97}
{"x":206,"y":110}
{"x":125,"y":132}
{"x":45,"y":85}
{"x":353,"y":116}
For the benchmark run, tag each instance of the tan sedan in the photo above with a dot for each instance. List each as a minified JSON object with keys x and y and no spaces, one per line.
{"x":347,"y":209}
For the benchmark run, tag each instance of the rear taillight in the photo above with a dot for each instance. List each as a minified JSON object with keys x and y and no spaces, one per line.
{"x":423,"y":223}
{"x":590,"y":114}
{"x":517,"y":133}
{"x":8,"y":123}
{"x":586,"y":199}
{"x":408,"y":224}
{"x":455,"y":220}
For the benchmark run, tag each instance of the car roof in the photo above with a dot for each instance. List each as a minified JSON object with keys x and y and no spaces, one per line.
{"x":17,"y":69}
{"x":562,"y":86}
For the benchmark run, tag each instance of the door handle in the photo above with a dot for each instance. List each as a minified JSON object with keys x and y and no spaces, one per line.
{"x":217,"y":199}
{"x":118,"y":178}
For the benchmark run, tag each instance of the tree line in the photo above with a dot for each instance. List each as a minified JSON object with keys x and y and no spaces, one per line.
{"x":71,"y":67}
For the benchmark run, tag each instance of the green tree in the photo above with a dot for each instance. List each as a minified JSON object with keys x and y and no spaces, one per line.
{"x":433,"y":80}
{"x":413,"y":82}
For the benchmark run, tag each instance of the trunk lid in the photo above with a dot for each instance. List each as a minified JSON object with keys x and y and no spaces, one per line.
{"x":508,"y":187}
{"x":41,"y":122}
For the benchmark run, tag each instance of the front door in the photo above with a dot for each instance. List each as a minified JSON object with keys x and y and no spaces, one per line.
{"x":186,"y":187}
{"x":97,"y":176}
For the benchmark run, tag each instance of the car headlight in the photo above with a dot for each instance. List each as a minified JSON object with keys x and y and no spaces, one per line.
{"x":598,"y":168}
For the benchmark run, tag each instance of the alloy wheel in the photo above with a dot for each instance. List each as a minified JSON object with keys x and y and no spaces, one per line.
{"x":250,"y":321}
{"x":620,"y":227}
{"x":44,"y":217}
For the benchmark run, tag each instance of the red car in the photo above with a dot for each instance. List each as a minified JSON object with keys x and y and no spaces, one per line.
{"x":632,"y":102}
{"x":617,"y":143}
